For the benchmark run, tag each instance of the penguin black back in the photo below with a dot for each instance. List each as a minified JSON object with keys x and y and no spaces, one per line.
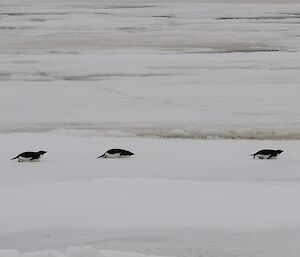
{"x":267,"y":153}
{"x":115,"y":153}
{"x":29,"y":156}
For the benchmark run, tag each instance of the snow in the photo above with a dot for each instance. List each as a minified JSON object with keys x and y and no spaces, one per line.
{"x":170,"y":186}
{"x":155,"y":68}
{"x":122,"y":203}
{"x":156,"y":78}
{"x":73,"y":158}
{"x":71,"y":252}
{"x":9,"y":253}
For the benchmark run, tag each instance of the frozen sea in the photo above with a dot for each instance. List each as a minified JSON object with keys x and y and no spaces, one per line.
{"x":191,"y":87}
{"x":164,"y":68}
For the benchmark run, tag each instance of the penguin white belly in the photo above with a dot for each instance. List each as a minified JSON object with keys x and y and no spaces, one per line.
{"x":263,"y":156}
{"x":26,"y":159}
{"x":114,"y":155}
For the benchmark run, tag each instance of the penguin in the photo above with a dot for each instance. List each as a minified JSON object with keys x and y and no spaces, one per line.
{"x":267,"y":154}
{"x":116,"y":153}
{"x":29,"y":156}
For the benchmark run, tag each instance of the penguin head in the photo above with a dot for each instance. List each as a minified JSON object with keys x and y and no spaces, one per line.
{"x":41,"y":152}
{"x":279,"y":151}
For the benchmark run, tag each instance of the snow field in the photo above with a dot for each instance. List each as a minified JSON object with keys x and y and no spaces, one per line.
{"x":74,"y":158}
{"x":167,"y":183}
{"x":159,"y":68}
{"x":72,"y":198}
{"x":85,"y":251}
{"x":86,"y":70}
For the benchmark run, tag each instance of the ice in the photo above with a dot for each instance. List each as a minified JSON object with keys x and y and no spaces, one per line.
{"x":43,"y":253}
{"x":151,"y":69}
{"x":74,"y":158}
{"x":9,"y":253}
{"x":173,"y":197}
{"x":84,"y":251}
{"x":154,"y":77}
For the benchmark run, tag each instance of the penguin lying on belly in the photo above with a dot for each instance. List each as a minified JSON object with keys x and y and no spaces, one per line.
{"x":116,"y":153}
{"x":29,"y":156}
{"x":267,"y":154}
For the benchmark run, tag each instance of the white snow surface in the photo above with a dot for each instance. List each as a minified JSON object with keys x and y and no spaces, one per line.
{"x":85,"y":251}
{"x":173,"y":197}
{"x":80,"y":77}
{"x":166,"y":68}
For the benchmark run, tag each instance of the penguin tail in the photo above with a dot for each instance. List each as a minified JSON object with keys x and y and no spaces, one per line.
{"x":14,"y":158}
{"x":101,"y":156}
